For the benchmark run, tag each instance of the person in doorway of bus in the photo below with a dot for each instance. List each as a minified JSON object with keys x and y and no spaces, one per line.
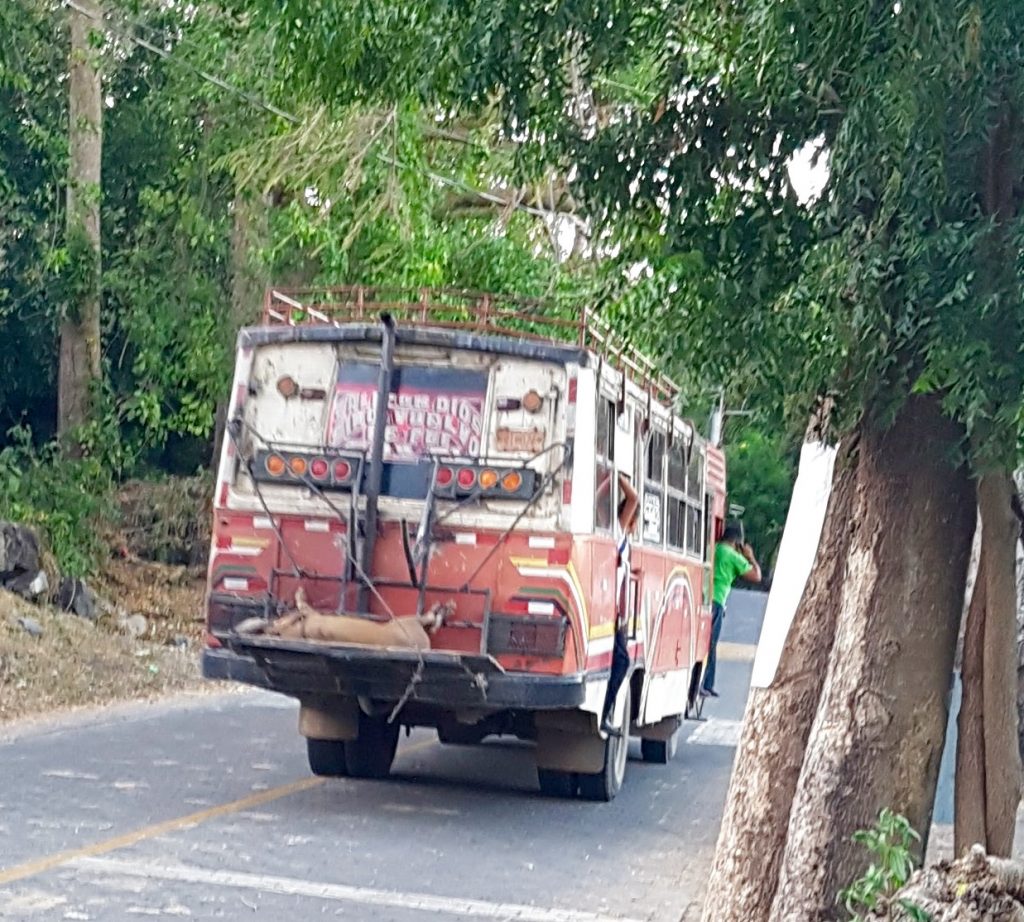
{"x":629,"y":504}
{"x":734,"y":560}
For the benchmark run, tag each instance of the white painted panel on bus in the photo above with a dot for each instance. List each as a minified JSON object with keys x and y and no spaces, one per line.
{"x":516,"y":433}
{"x":294,"y":419}
{"x":583,"y":472}
{"x":796,"y":556}
{"x":666,"y":695}
{"x":624,"y":449}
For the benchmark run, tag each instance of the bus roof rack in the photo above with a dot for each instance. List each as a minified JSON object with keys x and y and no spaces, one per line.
{"x":479,"y":312}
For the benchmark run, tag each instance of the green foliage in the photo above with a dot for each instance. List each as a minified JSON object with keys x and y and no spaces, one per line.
{"x":66,"y":500}
{"x":890,"y":842}
{"x":761,"y":469}
{"x":679,"y":121}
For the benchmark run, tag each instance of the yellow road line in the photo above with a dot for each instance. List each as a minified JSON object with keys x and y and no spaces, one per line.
{"x":49,"y":862}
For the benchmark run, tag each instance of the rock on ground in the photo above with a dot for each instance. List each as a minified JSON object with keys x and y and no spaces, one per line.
{"x":74,"y":596}
{"x":21,"y":570}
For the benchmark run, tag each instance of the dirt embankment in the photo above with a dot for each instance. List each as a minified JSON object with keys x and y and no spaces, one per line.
{"x":143,"y":633}
{"x":51,"y":659}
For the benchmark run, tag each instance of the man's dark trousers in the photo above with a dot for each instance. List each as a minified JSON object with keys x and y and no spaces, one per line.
{"x":717,"y":617}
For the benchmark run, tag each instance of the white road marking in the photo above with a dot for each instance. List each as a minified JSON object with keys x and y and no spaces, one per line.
{"x":69,"y":775}
{"x":736,"y":652}
{"x":716,"y":732}
{"x":367,"y":896}
{"x":411,"y":808}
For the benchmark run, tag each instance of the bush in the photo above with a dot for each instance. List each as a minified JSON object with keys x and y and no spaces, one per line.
{"x":69,"y":501}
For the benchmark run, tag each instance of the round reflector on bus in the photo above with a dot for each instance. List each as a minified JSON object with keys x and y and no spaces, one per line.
{"x":342,"y":470}
{"x":467,"y":477}
{"x":298,"y":466}
{"x":275,"y":465}
{"x":532,"y":402}
{"x":488,"y":478}
{"x":512,"y":481}
{"x":318,"y":468}
{"x":445,"y":475}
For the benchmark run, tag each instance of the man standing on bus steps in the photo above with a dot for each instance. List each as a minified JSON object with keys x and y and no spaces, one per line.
{"x":629,"y":505}
{"x":733,"y":559}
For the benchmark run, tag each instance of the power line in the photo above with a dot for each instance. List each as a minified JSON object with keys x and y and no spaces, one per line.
{"x":106,"y":21}
{"x":167,"y":56}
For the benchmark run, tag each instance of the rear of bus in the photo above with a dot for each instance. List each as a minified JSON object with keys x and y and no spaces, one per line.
{"x":475,"y":463}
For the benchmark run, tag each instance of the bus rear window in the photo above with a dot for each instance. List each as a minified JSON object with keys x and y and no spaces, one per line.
{"x":430,"y":411}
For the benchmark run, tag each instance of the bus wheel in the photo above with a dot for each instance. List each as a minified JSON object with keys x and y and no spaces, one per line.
{"x":556,"y":784}
{"x":605,"y":784}
{"x":327,"y":758}
{"x":370,"y":755}
{"x":660,"y":752}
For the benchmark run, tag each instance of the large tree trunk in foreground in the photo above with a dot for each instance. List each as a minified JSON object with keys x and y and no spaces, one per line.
{"x":776,"y":725}
{"x":80,"y":329}
{"x":881,"y":722}
{"x":987,"y":758}
{"x":1019,"y":511}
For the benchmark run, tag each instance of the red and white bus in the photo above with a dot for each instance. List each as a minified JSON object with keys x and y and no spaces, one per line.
{"x":391,"y":451}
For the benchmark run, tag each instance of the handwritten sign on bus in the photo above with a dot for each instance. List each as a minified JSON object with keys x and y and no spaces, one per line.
{"x":530,"y":440}
{"x":430,"y":411}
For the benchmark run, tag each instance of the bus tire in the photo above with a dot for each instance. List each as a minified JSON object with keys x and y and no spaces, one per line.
{"x":605,"y":784}
{"x":370,"y":755}
{"x":556,"y":784}
{"x":327,"y":758}
{"x":660,"y":752}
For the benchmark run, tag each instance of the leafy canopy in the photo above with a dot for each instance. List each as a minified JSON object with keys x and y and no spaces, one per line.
{"x":678,"y":122}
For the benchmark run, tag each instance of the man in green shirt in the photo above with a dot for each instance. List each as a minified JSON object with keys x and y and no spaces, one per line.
{"x":733,"y":559}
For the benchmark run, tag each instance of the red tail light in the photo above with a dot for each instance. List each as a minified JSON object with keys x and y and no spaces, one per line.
{"x":318,"y":468}
{"x":467,"y":477}
{"x":445,"y":475}
{"x":342,"y":470}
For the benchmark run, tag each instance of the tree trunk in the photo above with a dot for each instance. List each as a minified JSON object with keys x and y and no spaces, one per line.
{"x":80,"y":329}
{"x":969,"y":786}
{"x":878,"y":735}
{"x":776,"y":725}
{"x":250,"y":231}
{"x":988,"y":759}
{"x":1019,"y":510}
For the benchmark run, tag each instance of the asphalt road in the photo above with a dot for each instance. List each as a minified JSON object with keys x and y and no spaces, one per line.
{"x":203,"y":808}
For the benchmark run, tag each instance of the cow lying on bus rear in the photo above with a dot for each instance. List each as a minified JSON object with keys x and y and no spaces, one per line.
{"x":306,"y":623}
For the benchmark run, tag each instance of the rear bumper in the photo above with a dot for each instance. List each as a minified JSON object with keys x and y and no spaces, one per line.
{"x":304,"y":669}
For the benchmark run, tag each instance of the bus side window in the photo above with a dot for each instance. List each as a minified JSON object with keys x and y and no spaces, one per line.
{"x":695,"y":504}
{"x":654,"y":478}
{"x":676,"y":532}
{"x":606,"y":487}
